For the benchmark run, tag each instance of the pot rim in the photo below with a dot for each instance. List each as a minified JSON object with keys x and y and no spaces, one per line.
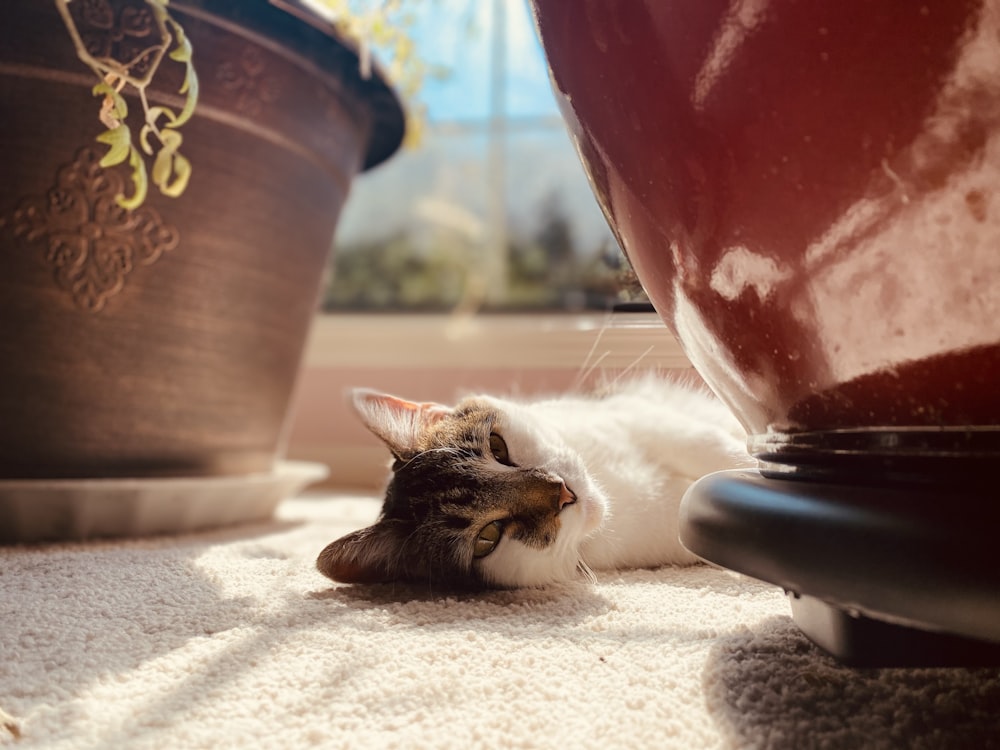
{"x":314,"y":43}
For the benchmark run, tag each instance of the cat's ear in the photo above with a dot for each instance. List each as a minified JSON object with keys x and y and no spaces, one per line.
{"x":370,"y":555}
{"x":398,"y":422}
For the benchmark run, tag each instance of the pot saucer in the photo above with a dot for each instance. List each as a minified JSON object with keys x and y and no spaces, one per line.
{"x":37,"y":510}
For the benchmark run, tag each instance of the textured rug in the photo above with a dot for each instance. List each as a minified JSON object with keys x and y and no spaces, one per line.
{"x":230,"y":639}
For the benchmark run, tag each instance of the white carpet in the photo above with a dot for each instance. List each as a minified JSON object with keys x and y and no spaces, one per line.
{"x":230,"y":639}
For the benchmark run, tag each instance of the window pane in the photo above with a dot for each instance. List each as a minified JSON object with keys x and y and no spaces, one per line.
{"x":491,"y":210}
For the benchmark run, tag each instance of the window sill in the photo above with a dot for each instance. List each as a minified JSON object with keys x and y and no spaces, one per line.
{"x":516,"y":341}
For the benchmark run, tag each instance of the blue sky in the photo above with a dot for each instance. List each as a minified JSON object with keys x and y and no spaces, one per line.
{"x":456,"y":34}
{"x":446,"y":179}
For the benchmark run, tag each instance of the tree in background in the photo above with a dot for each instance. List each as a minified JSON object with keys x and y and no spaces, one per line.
{"x":547,"y":271}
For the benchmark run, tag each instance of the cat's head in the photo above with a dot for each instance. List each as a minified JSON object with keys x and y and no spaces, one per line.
{"x":482,"y":494}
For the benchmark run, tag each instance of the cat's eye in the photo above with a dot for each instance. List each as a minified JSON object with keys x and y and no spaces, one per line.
{"x":488,"y":539}
{"x":498,"y":447}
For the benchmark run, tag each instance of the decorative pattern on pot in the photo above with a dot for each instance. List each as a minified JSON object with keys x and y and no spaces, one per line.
{"x":130,"y":37}
{"x":91,"y":242}
{"x":247,"y":79}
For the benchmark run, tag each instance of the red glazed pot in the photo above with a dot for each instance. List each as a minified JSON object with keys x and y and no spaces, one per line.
{"x":810,"y":194}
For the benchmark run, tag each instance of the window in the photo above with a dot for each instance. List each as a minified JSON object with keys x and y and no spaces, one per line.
{"x":491,"y":210}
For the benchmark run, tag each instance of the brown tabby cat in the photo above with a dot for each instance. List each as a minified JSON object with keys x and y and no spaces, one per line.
{"x":501,"y":493}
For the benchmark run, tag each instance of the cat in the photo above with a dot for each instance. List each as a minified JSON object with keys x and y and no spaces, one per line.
{"x":499,"y":493}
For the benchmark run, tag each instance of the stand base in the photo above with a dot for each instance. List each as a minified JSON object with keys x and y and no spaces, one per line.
{"x":878,"y":576}
{"x":861,"y":641}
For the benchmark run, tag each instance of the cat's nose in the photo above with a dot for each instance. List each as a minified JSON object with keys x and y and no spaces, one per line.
{"x":545,"y":490}
{"x":566,"y":496}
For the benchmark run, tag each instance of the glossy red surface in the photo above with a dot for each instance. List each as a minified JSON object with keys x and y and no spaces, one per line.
{"x":809,"y":192}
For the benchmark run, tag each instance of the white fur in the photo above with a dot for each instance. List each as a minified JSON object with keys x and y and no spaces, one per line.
{"x":629,"y":457}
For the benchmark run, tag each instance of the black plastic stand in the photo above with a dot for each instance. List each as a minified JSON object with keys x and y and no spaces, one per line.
{"x":865,"y":642}
{"x":878,"y":575}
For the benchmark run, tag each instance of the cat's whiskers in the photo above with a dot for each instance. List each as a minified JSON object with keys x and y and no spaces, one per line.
{"x":585,"y":570}
{"x":583,"y":375}
{"x":615,"y":545}
{"x":565,"y":555}
{"x":633,"y":364}
{"x":586,"y":368}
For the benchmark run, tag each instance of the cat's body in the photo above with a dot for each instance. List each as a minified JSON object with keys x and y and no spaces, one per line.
{"x":497,"y":492}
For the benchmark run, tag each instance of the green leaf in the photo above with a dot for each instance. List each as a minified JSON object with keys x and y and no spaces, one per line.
{"x":190,"y":87}
{"x":119,"y":142}
{"x":139,"y":181}
{"x":182,"y":173}
{"x":171,"y":139}
{"x":162,"y":167}
{"x":120,"y":107}
{"x":144,"y":139}
{"x":182,"y":51}
{"x":155,"y":113}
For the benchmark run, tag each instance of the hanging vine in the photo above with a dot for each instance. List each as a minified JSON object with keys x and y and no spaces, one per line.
{"x":160,"y":137}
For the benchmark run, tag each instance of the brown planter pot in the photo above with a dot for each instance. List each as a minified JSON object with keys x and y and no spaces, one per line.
{"x":167,"y":341}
